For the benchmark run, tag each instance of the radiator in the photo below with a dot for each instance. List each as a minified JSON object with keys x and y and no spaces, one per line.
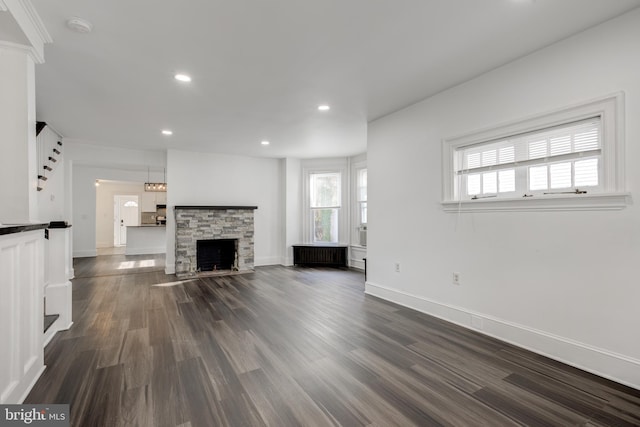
{"x":330,"y":255}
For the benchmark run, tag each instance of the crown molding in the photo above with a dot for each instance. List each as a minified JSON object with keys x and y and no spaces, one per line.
{"x":36,"y":21}
{"x":33,"y":53}
{"x":30,"y":23}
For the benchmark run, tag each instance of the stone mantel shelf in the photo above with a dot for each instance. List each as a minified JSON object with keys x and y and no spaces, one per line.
{"x":215,"y":208}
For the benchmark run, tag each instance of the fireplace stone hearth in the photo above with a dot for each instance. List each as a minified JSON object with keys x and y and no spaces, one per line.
{"x":195,"y":223}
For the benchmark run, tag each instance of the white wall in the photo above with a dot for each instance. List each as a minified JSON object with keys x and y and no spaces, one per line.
{"x":117,"y":158}
{"x":84,"y":164}
{"x":18,"y":175}
{"x":562,"y":283}
{"x":225,"y":180}
{"x":105,"y":209}
{"x":85,"y":215}
{"x":292,"y":210}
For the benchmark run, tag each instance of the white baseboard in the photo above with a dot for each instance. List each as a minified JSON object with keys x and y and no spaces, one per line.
{"x":54,"y":329}
{"x":145,"y":251}
{"x":287,"y":261}
{"x":48,"y":336}
{"x":274,"y":260}
{"x":356,"y":263}
{"x":85,"y":254}
{"x":608,"y":364}
{"x":102,"y":245}
{"x":170,"y":269}
{"x":33,"y":381}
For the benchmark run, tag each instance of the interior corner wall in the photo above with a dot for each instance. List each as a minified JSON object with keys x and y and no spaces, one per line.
{"x":292,"y":176}
{"x":84,"y":212}
{"x":563,"y":284}
{"x":226,"y":180}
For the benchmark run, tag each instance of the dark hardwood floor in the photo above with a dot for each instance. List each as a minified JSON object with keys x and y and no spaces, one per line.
{"x":294,"y":347}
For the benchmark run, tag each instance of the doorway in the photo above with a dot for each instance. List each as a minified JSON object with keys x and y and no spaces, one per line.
{"x":125,"y":214}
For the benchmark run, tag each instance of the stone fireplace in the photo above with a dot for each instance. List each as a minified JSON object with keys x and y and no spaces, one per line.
{"x":218,"y":229}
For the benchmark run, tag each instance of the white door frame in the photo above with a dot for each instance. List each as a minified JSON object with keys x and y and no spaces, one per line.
{"x":123,"y":218}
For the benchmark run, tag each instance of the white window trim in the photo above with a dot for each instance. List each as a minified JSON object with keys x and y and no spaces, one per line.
{"x":325,"y":166}
{"x":355,"y":205}
{"x":611,"y":111}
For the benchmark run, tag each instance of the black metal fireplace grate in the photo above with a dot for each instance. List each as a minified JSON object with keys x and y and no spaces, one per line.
{"x":216,"y":254}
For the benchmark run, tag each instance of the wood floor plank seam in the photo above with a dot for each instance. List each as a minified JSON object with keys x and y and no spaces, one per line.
{"x":285,"y":346}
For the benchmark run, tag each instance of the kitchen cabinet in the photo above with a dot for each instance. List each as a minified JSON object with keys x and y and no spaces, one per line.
{"x":148,"y":202}
{"x":150,"y":199}
{"x":146,"y":239}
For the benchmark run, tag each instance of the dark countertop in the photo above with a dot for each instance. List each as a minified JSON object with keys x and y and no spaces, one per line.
{"x":20,"y":228}
{"x":215,"y":208}
{"x":147,"y":226}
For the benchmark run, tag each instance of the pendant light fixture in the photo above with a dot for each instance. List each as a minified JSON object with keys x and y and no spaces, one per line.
{"x":156,"y":186}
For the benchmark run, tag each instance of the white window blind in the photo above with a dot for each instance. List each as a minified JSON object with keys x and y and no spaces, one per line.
{"x":562,"y":158}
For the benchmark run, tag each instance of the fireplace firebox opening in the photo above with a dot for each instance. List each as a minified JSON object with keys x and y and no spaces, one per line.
{"x":216,"y":254}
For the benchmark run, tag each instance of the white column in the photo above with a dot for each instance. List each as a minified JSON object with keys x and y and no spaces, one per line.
{"x":293,"y":207}
{"x":18,"y":169}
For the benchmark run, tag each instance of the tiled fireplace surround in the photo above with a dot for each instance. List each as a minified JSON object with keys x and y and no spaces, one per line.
{"x":195,"y":223}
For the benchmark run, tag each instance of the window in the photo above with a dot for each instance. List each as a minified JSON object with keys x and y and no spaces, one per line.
{"x":571,"y":154}
{"x":562,"y":160}
{"x":361,"y":201}
{"x":325,"y":201}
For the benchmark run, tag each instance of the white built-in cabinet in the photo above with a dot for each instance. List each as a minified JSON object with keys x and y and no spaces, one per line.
{"x":21,"y":313}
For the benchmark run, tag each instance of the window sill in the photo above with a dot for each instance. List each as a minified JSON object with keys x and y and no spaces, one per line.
{"x":590,"y":202}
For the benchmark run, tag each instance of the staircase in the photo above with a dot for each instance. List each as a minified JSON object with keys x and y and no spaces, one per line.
{"x":49,"y":152}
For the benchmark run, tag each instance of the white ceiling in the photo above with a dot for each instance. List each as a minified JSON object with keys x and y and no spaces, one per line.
{"x":260,"y":68}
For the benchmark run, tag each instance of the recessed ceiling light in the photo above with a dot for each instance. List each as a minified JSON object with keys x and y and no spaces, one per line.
{"x":323,"y":108}
{"x":79,"y":25}
{"x":182,"y":78}
{"x":167,"y":132}
{"x":265,"y":143}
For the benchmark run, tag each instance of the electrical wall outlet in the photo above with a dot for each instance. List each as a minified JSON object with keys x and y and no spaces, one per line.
{"x":397,"y":266}
{"x":456,"y":278}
